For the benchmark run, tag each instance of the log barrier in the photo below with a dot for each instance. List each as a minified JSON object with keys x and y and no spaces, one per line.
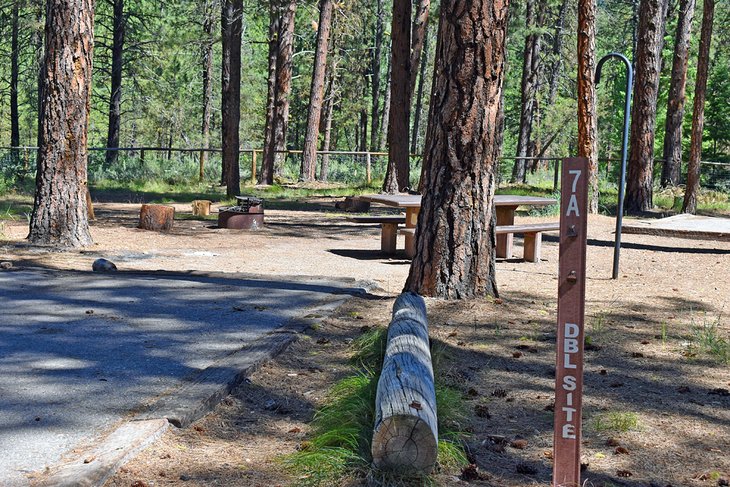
{"x":405,"y":437}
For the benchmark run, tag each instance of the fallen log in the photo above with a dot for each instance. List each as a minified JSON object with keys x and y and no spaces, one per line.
{"x":156,"y":217}
{"x":405,"y":437}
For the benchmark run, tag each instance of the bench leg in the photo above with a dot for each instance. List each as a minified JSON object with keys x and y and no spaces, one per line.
{"x":532,"y":244}
{"x":410,"y":246}
{"x":388,"y":235}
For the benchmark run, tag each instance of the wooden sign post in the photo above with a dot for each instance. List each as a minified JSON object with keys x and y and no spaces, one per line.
{"x":571,"y":310}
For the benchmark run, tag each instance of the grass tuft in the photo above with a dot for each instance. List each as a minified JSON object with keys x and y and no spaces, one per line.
{"x":706,"y":338}
{"x":616,"y":421}
{"x":340,"y":444}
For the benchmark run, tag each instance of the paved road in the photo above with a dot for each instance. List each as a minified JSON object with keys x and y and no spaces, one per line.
{"x":79,"y":352}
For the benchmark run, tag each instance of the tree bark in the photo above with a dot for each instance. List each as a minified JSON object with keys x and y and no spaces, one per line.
{"x":639,"y":191}
{"x":455,"y":240}
{"x":383,"y":135}
{"x":266,"y":176}
{"x":587,"y":116}
{"x":329,"y":112}
{"x":207,"y":58}
{"x":231,"y":23}
{"x":59,"y":211}
{"x":698,"y":113}
{"x":281,"y":47}
{"x":375,"y":67}
{"x":14,"y":72}
{"x":419,"y":99}
{"x":115,"y":100}
{"x":557,"y":53}
{"x":675,"y":102}
{"x":418,"y":40}
{"x":398,"y":173}
{"x":530,"y":69}
{"x":316,"y":93}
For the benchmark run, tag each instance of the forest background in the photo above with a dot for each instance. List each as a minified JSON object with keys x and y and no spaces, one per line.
{"x":162,"y":87}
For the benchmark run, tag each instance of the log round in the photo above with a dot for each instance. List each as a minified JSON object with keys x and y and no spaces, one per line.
{"x":405,"y":437}
{"x":201,"y":207}
{"x":156,"y":217}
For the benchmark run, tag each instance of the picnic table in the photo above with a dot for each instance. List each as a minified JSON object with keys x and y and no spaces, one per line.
{"x":505,"y":206}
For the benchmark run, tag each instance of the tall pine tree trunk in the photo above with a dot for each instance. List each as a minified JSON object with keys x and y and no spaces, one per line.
{"x":455,"y":234}
{"x":14,"y":71}
{"x":207,"y":58}
{"x":282,"y":88}
{"x":530,"y":61}
{"x":419,"y":98}
{"x":557,"y":53}
{"x":587,"y":116}
{"x":375,"y":68}
{"x":639,"y":191}
{"x":675,"y":102}
{"x":115,"y":101}
{"x":328,"y":113}
{"x":698,"y":113}
{"x":59,"y":211}
{"x":383,"y":135}
{"x":266,"y":176}
{"x":418,"y":40}
{"x":316,"y":92}
{"x":398,"y":173}
{"x":231,"y":23}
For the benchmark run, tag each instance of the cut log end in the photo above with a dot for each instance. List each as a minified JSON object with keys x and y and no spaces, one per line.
{"x":201,"y":207}
{"x":156,"y":217}
{"x":404,"y":444}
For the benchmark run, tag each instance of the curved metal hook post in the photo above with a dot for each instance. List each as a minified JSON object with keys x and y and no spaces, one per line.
{"x":624,"y":148}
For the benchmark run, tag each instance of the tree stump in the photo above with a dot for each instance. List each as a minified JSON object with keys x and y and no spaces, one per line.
{"x":405,"y":437}
{"x":156,"y":217}
{"x":201,"y":207}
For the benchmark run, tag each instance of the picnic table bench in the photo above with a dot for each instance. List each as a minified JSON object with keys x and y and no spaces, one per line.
{"x":389,"y":228}
{"x":532,"y":233}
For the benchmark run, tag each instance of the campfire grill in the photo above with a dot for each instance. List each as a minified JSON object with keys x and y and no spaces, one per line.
{"x":248,"y":214}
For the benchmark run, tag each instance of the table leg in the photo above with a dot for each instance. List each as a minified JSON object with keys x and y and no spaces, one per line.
{"x":411,"y":220}
{"x":505,"y":216}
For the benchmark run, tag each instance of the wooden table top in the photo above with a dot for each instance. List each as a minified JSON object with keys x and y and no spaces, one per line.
{"x":414,"y":200}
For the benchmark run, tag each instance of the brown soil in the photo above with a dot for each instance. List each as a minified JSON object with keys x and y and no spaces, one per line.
{"x":643,"y":363}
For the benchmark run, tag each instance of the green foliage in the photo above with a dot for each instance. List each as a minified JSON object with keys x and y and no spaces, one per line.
{"x":707,"y":339}
{"x":616,"y":421}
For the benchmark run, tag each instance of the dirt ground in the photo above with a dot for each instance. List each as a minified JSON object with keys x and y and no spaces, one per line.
{"x":656,"y":404}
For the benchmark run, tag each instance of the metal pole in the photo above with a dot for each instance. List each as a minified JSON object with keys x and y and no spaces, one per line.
{"x":624,"y":150}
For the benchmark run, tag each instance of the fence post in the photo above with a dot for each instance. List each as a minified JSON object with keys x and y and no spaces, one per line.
{"x":368,"y":173}
{"x":202,"y":164}
{"x":253,"y":166}
{"x":141,"y":156}
{"x":556,"y":177}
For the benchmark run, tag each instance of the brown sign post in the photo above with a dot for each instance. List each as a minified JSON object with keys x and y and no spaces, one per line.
{"x":571,"y":310}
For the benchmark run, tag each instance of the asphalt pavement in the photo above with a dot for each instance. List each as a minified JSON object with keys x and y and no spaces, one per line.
{"x":94,"y":366}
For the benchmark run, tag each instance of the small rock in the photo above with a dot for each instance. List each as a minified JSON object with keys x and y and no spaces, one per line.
{"x":103,"y":265}
{"x":720,"y":392}
{"x":469,"y":473}
{"x":6,"y":265}
{"x":482,"y":411}
{"x":519,"y":444}
{"x":525,"y":469}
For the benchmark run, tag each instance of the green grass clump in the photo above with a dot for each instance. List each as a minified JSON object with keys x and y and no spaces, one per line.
{"x":616,"y":421}
{"x":340,"y":443}
{"x":707,"y":339}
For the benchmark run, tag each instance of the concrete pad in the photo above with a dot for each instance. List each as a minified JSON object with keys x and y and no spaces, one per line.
{"x":682,"y":226}
{"x":81,"y":351}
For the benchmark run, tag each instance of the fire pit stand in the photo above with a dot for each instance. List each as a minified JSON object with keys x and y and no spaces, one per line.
{"x":247,"y":215}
